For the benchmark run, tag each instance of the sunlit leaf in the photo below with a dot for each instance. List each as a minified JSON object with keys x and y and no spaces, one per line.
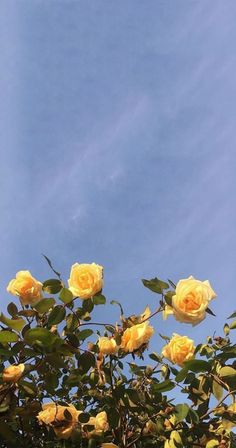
{"x":8,"y":336}
{"x":15,"y":324}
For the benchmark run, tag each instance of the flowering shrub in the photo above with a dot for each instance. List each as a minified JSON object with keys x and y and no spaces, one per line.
{"x":67,"y":381}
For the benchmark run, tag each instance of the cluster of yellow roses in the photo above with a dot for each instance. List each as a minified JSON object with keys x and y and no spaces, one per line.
{"x":84,"y":282}
{"x":189,"y":304}
{"x":54,"y":415}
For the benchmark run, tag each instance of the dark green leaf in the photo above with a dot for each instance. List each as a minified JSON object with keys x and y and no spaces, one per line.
{"x":155,"y":285}
{"x":155,"y":357}
{"x":44,"y":305}
{"x":165,"y":386}
{"x":83,"y":334}
{"x":194,"y":417}
{"x":12,"y":309}
{"x":99,"y":299}
{"x":87,"y":305}
{"x":210,"y":312}
{"x":197,"y":365}
{"x":42,"y":335}
{"x":52,"y":286}
{"x":84,"y":417}
{"x":86,"y":361}
{"x":181,"y":375}
{"x":57,"y":315}
{"x":172,"y":283}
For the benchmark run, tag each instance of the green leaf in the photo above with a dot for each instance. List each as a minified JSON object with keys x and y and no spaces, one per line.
{"x":165,"y":386}
{"x":155,"y":285}
{"x":168,"y":297}
{"x":86,"y":361}
{"x":57,"y":315}
{"x":217,"y":390}
{"x":181,"y":375}
{"x":115,"y":302}
{"x":87,"y":305}
{"x":133,"y":395}
{"x":29,"y":388}
{"x":8,"y":336}
{"x":50,"y":264}
{"x":44,"y":305}
{"x":210,"y":312}
{"x":233,"y":325}
{"x":193,"y":416}
{"x":84,"y":334}
{"x":227,"y":371}
{"x":66,"y":295}
{"x":12,"y":309}
{"x":166,"y":338}
{"x":84,"y":417}
{"x":41,"y":335}
{"x":232,"y":315}
{"x":197,"y":365}
{"x":99,"y":299}
{"x":52,"y":286}
{"x":15,"y":324}
{"x":181,"y":411}
{"x":155,"y":357}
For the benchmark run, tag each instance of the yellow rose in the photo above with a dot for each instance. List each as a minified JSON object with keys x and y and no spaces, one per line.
{"x":85,"y":280}
{"x":99,"y":422}
{"x":179,"y":349}
{"x":53,"y":415}
{"x":191,"y":300}
{"x":136,"y":336}
{"x":12,"y":374}
{"x":174,"y":441}
{"x":109,"y":445}
{"x":107,"y":346}
{"x":26,"y":287}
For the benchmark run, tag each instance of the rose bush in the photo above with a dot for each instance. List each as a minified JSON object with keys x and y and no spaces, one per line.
{"x":68,"y":380}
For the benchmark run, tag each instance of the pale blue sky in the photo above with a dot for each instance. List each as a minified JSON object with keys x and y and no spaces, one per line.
{"x":118,"y":131}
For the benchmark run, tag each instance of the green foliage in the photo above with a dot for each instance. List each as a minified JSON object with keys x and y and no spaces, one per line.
{"x":118,"y":397}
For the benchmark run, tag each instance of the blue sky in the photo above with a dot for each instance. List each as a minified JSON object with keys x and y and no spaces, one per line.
{"x":117,"y":132}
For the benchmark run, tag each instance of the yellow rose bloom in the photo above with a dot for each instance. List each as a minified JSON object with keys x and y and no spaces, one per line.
{"x":12,"y":374}
{"x":136,"y":336}
{"x":179,"y":349}
{"x":191,"y":299}
{"x":107,"y":346}
{"x":174,"y":441}
{"x":85,"y":280}
{"x":53,"y":415}
{"x":99,"y":422}
{"x":26,"y":287}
